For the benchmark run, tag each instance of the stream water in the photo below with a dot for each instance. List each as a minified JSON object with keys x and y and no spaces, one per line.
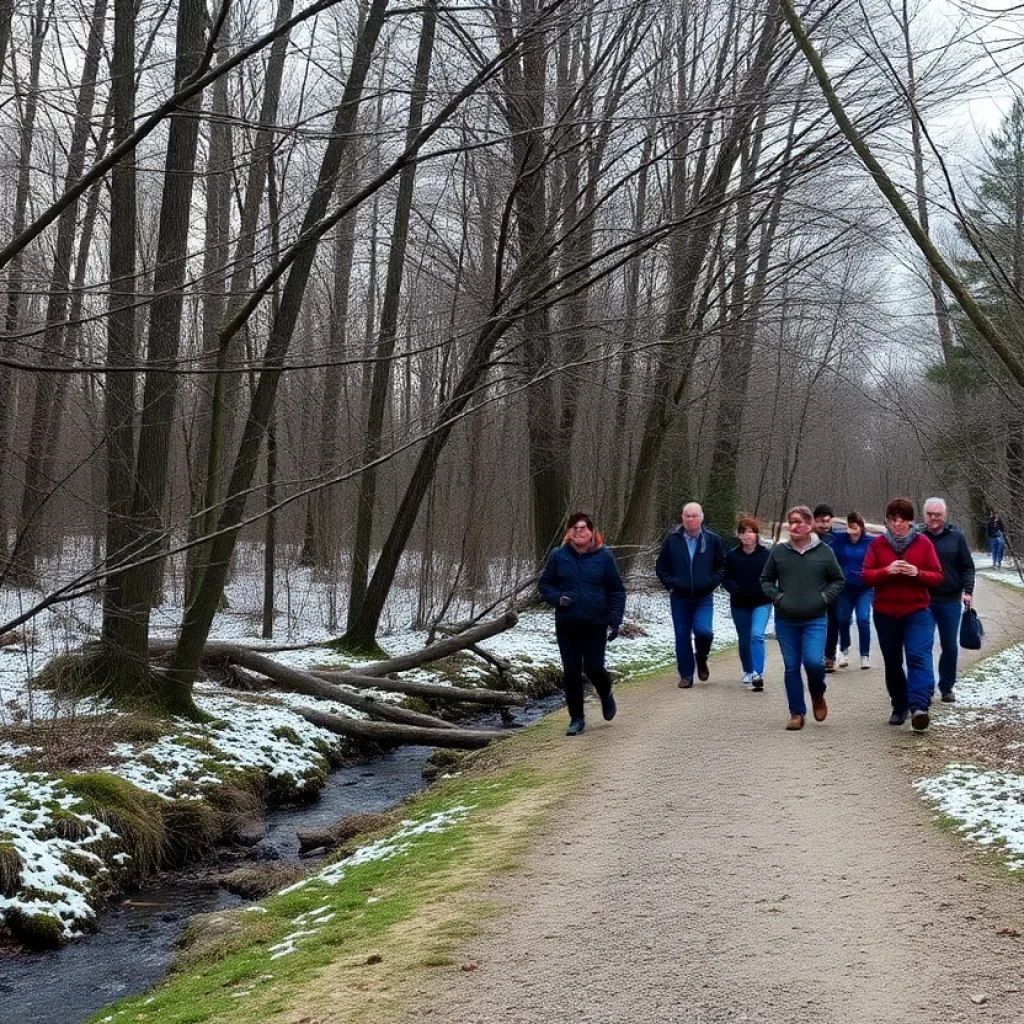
{"x":134,"y":946}
{"x":135,"y":943}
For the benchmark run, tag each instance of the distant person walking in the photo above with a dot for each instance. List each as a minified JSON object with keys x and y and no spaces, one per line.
{"x":581,"y":582}
{"x":749,"y":604}
{"x":902,"y":565}
{"x":956,"y":591}
{"x":802,"y":578}
{"x":823,"y":516}
{"x":690,"y":565}
{"x":996,"y":533}
{"x":850,"y":549}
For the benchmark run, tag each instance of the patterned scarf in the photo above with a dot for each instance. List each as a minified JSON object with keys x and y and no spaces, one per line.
{"x":900,"y":544}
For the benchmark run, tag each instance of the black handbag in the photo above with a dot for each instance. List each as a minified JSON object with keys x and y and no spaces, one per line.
{"x":971,"y":630}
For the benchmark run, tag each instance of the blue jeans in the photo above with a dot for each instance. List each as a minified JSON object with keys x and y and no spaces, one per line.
{"x":750,"y":625}
{"x":848,"y":602}
{"x":802,"y":644}
{"x":831,"y":630}
{"x":912,"y":635}
{"x":693,"y":622}
{"x":946,"y":615}
{"x":995,"y":547}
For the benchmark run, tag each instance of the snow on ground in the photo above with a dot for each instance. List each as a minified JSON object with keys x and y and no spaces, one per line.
{"x":1007,"y":573}
{"x":265,"y":732}
{"x":262,"y":732}
{"x":987,"y":805}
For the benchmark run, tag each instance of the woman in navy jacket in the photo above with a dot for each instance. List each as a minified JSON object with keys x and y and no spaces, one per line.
{"x":850,"y":549}
{"x":749,"y":604}
{"x":581,"y":582}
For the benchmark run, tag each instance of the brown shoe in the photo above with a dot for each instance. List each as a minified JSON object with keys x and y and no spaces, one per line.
{"x":819,"y":707}
{"x":830,"y":664}
{"x":795,"y":722}
{"x":703,"y":672}
{"x":685,"y":684}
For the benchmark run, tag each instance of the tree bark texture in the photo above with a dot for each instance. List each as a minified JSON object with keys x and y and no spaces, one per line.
{"x":199,"y":615}
{"x":387,"y":335}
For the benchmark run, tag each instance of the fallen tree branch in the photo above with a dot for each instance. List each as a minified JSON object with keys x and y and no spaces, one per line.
{"x":441,"y":649}
{"x":391,"y":734}
{"x":459,"y":694}
{"x":303,"y":682}
{"x":325,"y":684}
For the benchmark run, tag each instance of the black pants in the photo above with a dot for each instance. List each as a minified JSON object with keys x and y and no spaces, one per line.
{"x":581,"y":645}
{"x":832,"y":630}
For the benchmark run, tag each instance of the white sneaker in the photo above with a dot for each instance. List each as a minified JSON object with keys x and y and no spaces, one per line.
{"x":844,"y":659}
{"x":748,"y":678}
{"x":865,"y":662}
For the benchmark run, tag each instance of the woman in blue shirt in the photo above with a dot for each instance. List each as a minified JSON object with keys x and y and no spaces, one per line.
{"x":850,"y":549}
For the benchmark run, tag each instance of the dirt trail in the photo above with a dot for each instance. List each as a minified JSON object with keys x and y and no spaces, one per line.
{"x":717,"y":868}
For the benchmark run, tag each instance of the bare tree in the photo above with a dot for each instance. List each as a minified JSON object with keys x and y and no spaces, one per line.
{"x":376,"y":394}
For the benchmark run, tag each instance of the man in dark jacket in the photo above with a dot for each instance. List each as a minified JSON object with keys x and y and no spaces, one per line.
{"x":957,"y":588}
{"x":690,"y":566}
{"x":996,"y":533}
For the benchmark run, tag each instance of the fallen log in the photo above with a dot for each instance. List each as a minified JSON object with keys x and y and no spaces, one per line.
{"x":395,"y":735}
{"x":440,"y":649}
{"x":303,"y":682}
{"x":458,"y":694}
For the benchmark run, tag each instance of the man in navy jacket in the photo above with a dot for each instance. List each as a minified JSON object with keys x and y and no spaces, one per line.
{"x":956,"y":589}
{"x":690,"y":565}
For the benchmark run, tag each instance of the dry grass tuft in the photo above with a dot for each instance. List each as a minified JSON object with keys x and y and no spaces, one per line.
{"x":10,"y":869}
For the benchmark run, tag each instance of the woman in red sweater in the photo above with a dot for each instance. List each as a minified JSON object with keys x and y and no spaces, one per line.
{"x":902,"y":565}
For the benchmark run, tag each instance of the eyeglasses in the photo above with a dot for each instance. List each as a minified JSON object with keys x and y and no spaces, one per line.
{"x":579,"y":526}
{"x":933,"y":515}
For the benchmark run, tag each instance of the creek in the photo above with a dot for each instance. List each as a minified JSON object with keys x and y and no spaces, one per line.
{"x":134,"y":946}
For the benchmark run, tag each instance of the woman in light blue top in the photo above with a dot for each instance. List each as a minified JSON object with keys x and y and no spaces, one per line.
{"x":850,"y":549}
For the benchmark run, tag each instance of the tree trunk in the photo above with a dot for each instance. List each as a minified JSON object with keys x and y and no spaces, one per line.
{"x":125,"y":648}
{"x":6,"y":14}
{"x":432,"y":691}
{"x":199,"y":615}
{"x":321,"y":532}
{"x":215,"y":417}
{"x":394,"y":735}
{"x":311,"y":685}
{"x":685,"y":272}
{"x":723,"y":493}
{"x":215,"y":275}
{"x":45,"y":409}
{"x":39,"y":27}
{"x":387,"y":334}
{"x":361,"y":633}
{"x":524,"y":99}
{"x":138,"y":584}
{"x":270,"y":533}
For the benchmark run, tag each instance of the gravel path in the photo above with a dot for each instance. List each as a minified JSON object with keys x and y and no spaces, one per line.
{"x":717,"y":868}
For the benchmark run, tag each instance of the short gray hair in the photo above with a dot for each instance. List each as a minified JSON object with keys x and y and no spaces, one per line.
{"x":697,"y":505}
{"x":937,"y":501}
